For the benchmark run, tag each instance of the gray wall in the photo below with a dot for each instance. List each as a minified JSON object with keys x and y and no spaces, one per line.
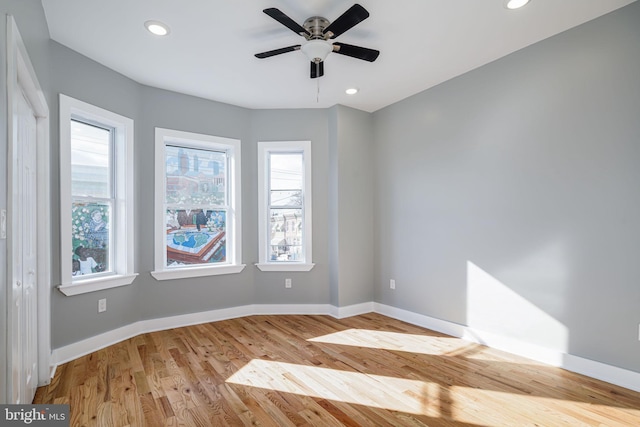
{"x":181,"y":112}
{"x":351,"y":209}
{"x":507,"y":198}
{"x":75,"y":318}
{"x":294,"y":125}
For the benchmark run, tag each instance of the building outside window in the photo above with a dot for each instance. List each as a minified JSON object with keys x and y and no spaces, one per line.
{"x":284,"y":170}
{"x":93,"y":198}
{"x":197,"y":205}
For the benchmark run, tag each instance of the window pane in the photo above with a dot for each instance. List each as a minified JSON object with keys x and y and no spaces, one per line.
{"x":285,"y":171}
{"x":195,"y":177}
{"x":91,"y":237}
{"x":285,"y":235}
{"x":195,"y":236}
{"x":90,"y":160}
{"x":286,"y":198}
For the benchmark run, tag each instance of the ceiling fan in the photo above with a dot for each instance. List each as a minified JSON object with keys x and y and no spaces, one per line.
{"x":318,"y":31}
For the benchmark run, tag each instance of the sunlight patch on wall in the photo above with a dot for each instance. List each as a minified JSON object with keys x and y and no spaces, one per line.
{"x":495,"y":308}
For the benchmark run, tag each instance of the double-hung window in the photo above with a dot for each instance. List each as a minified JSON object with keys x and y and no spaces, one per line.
{"x":284,"y":197}
{"x":96,"y":193}
{"x":197,"y":207}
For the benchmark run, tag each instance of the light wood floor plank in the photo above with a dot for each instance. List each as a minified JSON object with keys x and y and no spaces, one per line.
{"x":366,"y":370}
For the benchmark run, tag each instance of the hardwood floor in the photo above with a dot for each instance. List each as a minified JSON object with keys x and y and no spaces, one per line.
{"x":366,"y":370}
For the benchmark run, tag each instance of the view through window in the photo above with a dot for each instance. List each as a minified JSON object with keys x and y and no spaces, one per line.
{"x":92,"y":193}
{"x":286,"y":207}
{"x":196,"y":205}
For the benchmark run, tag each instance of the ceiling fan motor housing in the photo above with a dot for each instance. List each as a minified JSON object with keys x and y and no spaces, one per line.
{"x":316,"y":25}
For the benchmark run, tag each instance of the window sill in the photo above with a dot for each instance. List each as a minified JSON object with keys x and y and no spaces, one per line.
{"x":186,"y":273}
{"x":97,"y":284}
{"x":285,"y":266}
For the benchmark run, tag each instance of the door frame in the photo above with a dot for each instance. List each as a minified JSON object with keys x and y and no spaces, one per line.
{"x":21,"y":76}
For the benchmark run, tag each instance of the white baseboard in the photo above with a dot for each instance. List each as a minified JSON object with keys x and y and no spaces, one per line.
{"x":601,"y":371}
{"x":89,"y":345}
{"x":590,"y":368}
{"x":81,"y":348}
{"x":351,"y":310}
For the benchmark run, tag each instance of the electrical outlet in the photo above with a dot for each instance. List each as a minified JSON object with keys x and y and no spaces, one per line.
{"x":392,"y":284}
{"x":287,"y":283}
{"x":102,"y":305}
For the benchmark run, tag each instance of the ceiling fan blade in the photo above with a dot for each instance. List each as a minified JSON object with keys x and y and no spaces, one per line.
{"x":356,"y":51}
{"x":317,"y":69}
{"x":275,"y":52}
{"x":286,"y":21}
{"x":354,"y":15}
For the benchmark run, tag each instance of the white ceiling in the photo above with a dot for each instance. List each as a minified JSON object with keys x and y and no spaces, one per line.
{"x":209,"y":52}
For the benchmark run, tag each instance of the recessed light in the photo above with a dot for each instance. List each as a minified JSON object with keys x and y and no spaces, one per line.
{"x":351,"y":91}
{"x":515,"y":4}
{"x":158,"y":28}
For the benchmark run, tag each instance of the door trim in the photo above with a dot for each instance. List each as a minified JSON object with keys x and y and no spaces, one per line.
{"x":21,"y":76}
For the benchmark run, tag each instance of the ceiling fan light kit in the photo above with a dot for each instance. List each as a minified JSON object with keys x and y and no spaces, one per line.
{"x":318,"y":31}
{"x":317,"y":50}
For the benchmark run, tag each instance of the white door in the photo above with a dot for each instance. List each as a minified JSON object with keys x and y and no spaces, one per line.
{"x":24,"y":333}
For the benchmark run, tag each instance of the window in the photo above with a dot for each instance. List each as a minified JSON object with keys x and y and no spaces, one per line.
{"x":284,"y":171}
{"x":96,"y":197}
{"x":197,"y":207}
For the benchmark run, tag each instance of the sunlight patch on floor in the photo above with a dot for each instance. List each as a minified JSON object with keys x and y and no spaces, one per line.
{"x":395,"y":341}
{"x":458,"y":403}
{"x":473,"y":405}
{"x":396,"y":394}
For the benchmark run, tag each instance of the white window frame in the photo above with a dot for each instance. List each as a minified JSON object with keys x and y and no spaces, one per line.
{"x":231,"y":146}
{"x":264,"y":149}
{"x":122,"y":222}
